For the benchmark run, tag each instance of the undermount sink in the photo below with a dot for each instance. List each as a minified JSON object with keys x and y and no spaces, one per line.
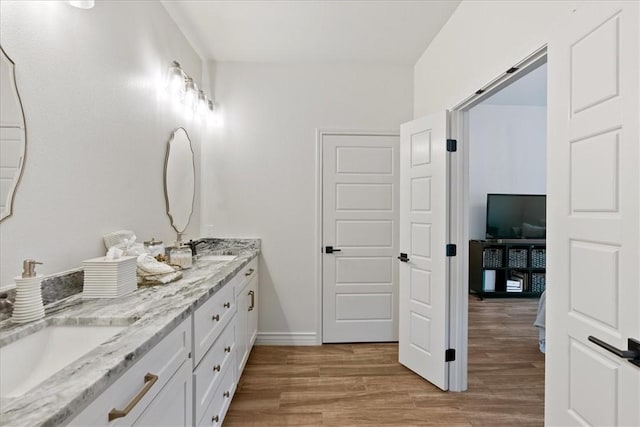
{"x":30,"y":360}
{"x":218,"y":258}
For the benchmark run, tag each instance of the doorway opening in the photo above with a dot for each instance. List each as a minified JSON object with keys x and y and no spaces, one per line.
{"x":501,"y":133}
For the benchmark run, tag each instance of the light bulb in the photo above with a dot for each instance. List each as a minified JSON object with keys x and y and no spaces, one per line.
{"x":202,"y":103}
{"x":190,"y":93}
{"x":175,"y":80}
{"x":82,"y":4}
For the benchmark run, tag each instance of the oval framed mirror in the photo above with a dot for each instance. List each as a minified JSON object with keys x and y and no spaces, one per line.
{"x":179,"y":180}
{"x":13,"y":135}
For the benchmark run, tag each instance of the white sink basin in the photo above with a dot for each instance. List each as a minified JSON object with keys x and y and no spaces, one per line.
{"x":218,"y":258}
{"x":29,"y":361}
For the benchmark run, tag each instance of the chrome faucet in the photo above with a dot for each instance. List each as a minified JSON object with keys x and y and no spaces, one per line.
{"x":193,"y":244}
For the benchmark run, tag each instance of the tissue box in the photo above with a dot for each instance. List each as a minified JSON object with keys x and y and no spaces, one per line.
{"x":105,"y":278}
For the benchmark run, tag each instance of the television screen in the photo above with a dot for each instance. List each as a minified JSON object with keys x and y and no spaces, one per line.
{"x":516,"y":216}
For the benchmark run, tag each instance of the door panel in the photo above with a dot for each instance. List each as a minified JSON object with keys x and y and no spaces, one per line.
{"x":423,"y":233}
{"x":360,"y":218}
{"x":593,"y":210}
{"x":372,"y":197}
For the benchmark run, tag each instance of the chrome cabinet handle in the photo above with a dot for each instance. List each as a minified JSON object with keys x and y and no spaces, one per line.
{"x":226,"y":394}
{"x":149,"y":381}
{"x":216,"y":318}
{"x":216,"y":368}
{"x":249,"y":272}
{"x":253,"y":300}
{"x":227,"y":349}
{"x":227,"y":305}
{"x":215,"y":419}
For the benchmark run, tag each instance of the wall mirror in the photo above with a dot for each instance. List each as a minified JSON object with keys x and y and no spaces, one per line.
{"x":179,"y":180}
{"x":13,"y":135}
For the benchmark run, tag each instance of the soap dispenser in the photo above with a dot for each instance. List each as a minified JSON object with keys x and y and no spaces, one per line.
{"x":28,"y":305}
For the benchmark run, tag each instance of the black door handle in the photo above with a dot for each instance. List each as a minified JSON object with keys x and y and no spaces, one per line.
{"x":331,"y":249}
{"x":403,"y":257}
{"x":632,"y":353}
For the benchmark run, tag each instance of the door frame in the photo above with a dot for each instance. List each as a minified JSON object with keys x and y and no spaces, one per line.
{"x":320,"y":134}
{"x":459,"y":211}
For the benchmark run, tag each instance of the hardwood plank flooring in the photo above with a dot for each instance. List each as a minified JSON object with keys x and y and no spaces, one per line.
{"x":364,"y":385}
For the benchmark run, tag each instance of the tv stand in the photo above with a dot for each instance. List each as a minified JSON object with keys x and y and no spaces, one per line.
{"x":493,"y":262}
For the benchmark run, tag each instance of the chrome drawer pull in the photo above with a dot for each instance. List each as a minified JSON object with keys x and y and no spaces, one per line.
{"x":227,"y":349}
{"x":226,"y":394}
{"x":215,"y":419}
{"x":216,"y":318}
{"x":249,"y":272}
{"x":216,"y":368}
{"x":227,"y":305}
{"x":149,"y":381}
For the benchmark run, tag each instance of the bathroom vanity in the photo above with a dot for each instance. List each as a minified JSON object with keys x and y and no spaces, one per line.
{"x":176,"y":360}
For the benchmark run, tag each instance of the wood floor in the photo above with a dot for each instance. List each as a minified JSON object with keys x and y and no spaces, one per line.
{"x":363,"y":384}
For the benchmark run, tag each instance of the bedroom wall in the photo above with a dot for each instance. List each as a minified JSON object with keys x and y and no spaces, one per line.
{"x":97,"y":127}
{"x":507,"y":154}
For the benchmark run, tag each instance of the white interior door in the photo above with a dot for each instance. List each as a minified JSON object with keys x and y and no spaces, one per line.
{"x":423,"y":238}
{"x":593,"y":216}
{"x":360,"y":223}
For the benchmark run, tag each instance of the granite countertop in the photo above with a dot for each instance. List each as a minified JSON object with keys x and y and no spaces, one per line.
{"x":155,"y":311}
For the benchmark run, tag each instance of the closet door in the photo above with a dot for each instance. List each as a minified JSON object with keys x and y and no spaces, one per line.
{"x":423,"y":262}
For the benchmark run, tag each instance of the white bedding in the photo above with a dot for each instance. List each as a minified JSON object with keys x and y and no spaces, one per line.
{"x":539,"y":322}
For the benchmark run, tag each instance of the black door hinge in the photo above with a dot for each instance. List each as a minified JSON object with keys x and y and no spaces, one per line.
{"x":451,"y":250}
{"x":452,"y":145}
{"x":450,"y":355}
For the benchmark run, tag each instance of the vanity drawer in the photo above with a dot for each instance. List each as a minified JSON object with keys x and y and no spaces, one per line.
{"x":141,"y":383}
{"x":217,"y":409}
{"x":210,"y":319}
{"x":245,"y":275}
{"x":209,"y":373}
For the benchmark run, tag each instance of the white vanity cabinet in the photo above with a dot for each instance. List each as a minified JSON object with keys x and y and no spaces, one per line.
{"x":156,"y":390}
{"x":216,"y":372}
{"x":188,"y":378}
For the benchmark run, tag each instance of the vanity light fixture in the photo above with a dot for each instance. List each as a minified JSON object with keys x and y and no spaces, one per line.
{"x":184,"y":89}
{"x":82,"y":4}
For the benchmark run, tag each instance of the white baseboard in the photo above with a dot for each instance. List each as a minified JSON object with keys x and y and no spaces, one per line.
{"x":286,"y":338}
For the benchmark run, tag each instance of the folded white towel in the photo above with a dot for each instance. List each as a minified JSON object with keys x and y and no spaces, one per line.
{"x":153,"y":269}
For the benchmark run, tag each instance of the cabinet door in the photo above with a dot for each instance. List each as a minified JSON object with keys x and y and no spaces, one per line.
{"x":241,"y":330}
{"x":173,"y":405}
{"x":252,"y":320}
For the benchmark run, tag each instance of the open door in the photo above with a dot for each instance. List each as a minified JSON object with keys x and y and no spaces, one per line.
{"x":423,"y":321}
{"x":593,"y":238}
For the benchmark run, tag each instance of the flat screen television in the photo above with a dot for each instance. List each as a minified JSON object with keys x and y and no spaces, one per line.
{"x":516,"y":216}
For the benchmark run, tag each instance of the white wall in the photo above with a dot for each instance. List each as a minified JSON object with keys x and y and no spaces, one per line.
{"x":261,"y":173}
{"x":507,"y":154}
{"x":481,"y":40}
{"x":97,"y":127}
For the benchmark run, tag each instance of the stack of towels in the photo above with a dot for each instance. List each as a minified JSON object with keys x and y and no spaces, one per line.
{"x":154,"y":270}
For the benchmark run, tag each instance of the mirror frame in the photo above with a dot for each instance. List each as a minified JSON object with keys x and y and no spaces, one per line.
{"x":166,"y":190}
{"x":9,"y":210}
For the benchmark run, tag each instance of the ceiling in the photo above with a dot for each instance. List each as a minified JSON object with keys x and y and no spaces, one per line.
{"x":316,"y":31}
{"x":531,"y":89}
